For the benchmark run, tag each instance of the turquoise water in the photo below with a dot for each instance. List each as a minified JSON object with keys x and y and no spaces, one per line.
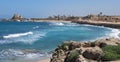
{"x":43,"y":36}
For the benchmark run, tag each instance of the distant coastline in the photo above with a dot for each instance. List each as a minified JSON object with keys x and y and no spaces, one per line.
{"x":100,"y":23}
{"x":99,"y":19}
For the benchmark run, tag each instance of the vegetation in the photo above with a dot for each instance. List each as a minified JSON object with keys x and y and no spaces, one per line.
{"x":111,"y":53}
{"x":72,"y":56}
{"x":92,"y":44}
{"x":64,"y":46}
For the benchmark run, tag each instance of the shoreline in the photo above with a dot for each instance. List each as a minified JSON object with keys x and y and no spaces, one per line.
{"x":105,"y":24}
{"x":111,"y":26}
{"x":50,"y":21}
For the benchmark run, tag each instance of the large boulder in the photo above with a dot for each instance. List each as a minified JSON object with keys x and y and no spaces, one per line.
{"x":74,"y":45}
{"x":94,"y":53}
{"x":103,"y":42}
{"x":58,"y":56}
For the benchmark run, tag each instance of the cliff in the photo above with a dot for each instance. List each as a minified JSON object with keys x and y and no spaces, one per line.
{"x":98,"y":51}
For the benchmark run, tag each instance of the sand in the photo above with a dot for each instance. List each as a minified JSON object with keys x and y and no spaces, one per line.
{"x":45,"y":60}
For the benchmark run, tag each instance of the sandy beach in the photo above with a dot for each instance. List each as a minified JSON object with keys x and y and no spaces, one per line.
{"x":45,"y":60}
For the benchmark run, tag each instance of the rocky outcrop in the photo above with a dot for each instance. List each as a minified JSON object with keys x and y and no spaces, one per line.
{"x":82,"y":51}
{"x":94,"y":53}
{"x":103,"y":42}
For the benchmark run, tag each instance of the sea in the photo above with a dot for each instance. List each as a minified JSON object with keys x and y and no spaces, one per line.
{"x":31,"y":41}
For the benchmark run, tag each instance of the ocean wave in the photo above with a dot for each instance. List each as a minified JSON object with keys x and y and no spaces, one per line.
{"x":17,"y":35}
{"x":114,"y":33}
{"x":57,"y":23}
{"x":94,"y":26}
{"x":27,"y":38}
{"x":64,"y":24}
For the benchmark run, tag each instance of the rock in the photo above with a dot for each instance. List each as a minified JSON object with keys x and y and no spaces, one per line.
{"x":81,"y":59}
{"x":58,"y":56}
{"x":93,"y":53}
{"x":104,"y":42}
{"x":74,"y":45}
{"x":87,"y":44}
{"x":56,"y":60}
{"x":82,"y":51}
{"x":79,"y":50}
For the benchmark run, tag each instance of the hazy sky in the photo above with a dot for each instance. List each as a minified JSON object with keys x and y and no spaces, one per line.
{"x":44,"y":8}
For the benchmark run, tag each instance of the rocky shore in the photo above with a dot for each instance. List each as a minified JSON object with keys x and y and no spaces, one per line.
{"x":101,"y":50}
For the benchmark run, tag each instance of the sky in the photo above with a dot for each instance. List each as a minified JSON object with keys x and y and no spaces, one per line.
{"x":45,"y":8}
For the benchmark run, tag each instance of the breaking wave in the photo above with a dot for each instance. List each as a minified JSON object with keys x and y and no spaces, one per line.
{"x":114,"y":33}
{"x":28,"y":37}
{"x":64,"y":24}
{"x":57,"y":23}
{"x":17,"y":35}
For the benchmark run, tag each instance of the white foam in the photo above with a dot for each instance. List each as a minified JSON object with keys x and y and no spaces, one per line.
{"x":72,"y":24}
{"x":60,"y":24}
{"x":27,"y":38}
{"x":31,"y":38}
{"x":35,"y":27}
{"x":115,"y":33}
{"x":57,"y":23}
{"x":95,"y":26}
{"x":17,"y":35}
{"x":64,"y":24}
{"x":33,"y":55}
{"x":14,"y":53}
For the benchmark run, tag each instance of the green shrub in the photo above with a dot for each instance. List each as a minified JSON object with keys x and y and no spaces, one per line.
{"x":110,"y":56}
{"x":92,"y":44}
{"x":111,"y":53}
{"x":64,"y":45}
{"x":72,"y":56}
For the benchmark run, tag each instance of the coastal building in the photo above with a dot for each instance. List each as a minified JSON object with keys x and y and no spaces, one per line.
{"x":102,"y":18}
{"x":17,"y":17}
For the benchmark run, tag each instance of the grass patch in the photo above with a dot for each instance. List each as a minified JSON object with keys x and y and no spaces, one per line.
{"x":72,"y":56}
{"x":111,"y":52}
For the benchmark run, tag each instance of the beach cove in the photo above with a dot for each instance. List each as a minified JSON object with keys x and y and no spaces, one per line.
{"x":30,"y":51}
